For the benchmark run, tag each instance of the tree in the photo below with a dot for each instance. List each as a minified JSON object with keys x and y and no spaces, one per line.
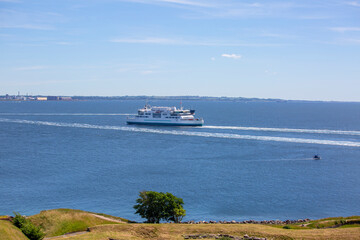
{"x":149,"y":206}
{"x":157,"y":206}
{"x":174,"y":209}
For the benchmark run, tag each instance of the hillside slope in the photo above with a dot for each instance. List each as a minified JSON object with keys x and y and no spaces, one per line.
{"x":9,"y":232}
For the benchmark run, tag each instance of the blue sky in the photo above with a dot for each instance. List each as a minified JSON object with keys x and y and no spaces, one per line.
{"x":296,"y":49}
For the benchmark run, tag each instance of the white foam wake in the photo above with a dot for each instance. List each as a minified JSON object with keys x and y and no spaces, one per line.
{"x":66,"y":114}
{"x":321,"y":131}
{"x":187,"y":133}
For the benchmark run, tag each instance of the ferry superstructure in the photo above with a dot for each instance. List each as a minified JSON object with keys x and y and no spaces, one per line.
{"x":170,"y":116}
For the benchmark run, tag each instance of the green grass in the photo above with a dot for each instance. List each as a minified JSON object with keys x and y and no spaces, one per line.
{"x":337,"y":222}
{"x":60,"y":221}
{"x":70,"y":226}
{"x":350,"y":226}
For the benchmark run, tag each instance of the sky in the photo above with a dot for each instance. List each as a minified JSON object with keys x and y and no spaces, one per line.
{"x":290,"y":49}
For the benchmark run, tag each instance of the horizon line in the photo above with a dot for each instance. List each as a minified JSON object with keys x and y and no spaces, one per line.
{"x":186,"y":96}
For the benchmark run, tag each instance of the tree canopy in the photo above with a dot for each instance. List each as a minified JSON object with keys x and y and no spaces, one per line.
{"x":157,"y":206}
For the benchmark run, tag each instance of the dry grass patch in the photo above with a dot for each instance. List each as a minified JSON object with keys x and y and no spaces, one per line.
{"x":9,"y":232}
{"x":60,"y":221}
{"x":176,"y":232}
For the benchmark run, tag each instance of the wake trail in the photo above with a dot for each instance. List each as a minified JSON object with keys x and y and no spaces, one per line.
{"x":66,"y":114}
{"x":186,"y":133}
{"x":283,"y":159}
{"x":321,"y":131}
{"x":265,"y":129}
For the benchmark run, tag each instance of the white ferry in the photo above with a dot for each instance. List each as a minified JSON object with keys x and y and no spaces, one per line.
{"x":170,"y":116}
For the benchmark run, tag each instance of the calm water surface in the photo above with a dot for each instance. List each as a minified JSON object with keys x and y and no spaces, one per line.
{"x":82,"y":155}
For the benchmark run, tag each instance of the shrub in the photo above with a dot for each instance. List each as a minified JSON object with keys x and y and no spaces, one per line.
{"x":286,"y":227}
{"x":28,"y":228}
{"x":19,"y":220}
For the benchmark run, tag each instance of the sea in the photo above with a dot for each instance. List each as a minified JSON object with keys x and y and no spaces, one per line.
{"x":251,"y":160}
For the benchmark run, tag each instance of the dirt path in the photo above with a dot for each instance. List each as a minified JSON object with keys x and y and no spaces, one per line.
{"x":108,"y":218}
{"x":66,"y":235}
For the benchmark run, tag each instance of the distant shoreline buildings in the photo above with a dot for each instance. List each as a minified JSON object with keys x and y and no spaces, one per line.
{"x":19,"y":97}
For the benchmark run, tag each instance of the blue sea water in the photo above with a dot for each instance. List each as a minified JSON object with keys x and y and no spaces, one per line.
{"x":250,"y":160}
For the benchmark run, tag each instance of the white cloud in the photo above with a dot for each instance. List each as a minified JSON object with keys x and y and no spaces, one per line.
{"x":64,"y":43}
{"x":230,"y":8}
{"x":189,"y":42}
{"x":177,"y":2}
{"x":277,"y":35}
{"x":4,"y":35}
{"x":352,"y":40}
{"x":233,"y":56}
{"x":314,"y":17}
{"x":29,"y":19}
{"x":148,"y":40}
{"x":30,"y":68}
{"x":147,"y":72}
{"x":11,"y":1}
{"x":185,"y":2}
{"x":270,"y":73}
{"x":255,"y":5}
{"x":27,"y":26}
{"x":345,"y":29}
{"x":353,"y":3}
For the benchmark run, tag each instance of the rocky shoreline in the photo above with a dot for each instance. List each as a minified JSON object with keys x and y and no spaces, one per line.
{"x":218,"y":236}
{"x":249,"y":222}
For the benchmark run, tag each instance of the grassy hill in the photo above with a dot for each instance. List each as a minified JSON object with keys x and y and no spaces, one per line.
{"x":9,"y":231}
{"x":60,"y":221}
{"x":94,"y":226}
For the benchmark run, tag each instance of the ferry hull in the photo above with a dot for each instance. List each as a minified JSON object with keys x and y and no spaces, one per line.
{"x":197,"y":123}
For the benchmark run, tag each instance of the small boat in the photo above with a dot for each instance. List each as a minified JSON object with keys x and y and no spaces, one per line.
{"x":316,"y":157}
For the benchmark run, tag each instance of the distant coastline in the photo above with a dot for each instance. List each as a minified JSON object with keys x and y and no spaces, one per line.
{"x":149,"y":98}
